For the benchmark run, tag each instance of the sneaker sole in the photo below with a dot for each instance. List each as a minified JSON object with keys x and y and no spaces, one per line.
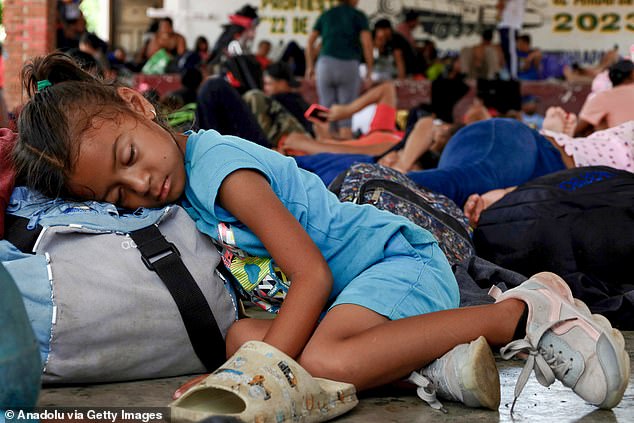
{"x":615,"y":337}
{"x":481,"y":377}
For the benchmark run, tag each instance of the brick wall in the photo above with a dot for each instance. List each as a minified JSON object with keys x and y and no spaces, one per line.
{"x":30,"y":26}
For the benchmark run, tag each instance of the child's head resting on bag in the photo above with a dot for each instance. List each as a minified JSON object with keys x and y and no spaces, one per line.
{"x":81,"y":137}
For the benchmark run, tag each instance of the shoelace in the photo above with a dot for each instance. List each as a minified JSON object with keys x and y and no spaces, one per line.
{"x":547,"y":365}
{"x":426,"y":391}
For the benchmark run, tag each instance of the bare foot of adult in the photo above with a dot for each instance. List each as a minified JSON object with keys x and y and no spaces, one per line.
{"x":477,"y":203}
{"x":473,"y":208}
{"x":558,"y":120}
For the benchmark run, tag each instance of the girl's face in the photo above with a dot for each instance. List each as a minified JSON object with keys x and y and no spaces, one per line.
{"x":130,"y":161}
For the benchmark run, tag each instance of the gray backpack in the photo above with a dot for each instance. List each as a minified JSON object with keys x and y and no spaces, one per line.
{"x":98,"y":307}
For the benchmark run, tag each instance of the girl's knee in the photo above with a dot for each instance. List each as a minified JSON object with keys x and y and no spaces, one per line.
{"x":329,"y":363}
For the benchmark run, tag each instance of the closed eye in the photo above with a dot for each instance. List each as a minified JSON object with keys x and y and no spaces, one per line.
{"x":131,"y":156}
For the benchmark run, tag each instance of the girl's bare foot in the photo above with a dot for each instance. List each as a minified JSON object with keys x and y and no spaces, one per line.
{"x":558,"y":120}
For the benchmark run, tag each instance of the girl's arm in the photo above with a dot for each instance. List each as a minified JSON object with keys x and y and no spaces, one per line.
{"x":247,"y":195}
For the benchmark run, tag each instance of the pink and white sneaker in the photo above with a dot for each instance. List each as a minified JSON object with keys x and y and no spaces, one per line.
{"x":565,"y":341}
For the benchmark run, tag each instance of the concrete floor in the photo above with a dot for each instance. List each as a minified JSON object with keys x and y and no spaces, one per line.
{"x":536,"y":404}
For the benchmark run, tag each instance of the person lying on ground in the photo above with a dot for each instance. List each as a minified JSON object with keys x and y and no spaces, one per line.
{"x":360,"y":276}
{"x":611,"y":107}
{"x":613,"y":147}
{"x":381,"y":136}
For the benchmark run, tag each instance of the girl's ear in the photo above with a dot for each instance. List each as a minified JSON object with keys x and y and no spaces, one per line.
{"x":136,"y":102}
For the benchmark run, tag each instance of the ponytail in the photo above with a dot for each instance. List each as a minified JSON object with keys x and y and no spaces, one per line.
{"x":56,"y":68}
{"x":54,"y":118}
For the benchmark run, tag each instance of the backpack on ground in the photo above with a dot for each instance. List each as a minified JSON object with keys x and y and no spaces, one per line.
{"x":106,"y":292}
{"x":578,"y":223}
{"x":576,"y":219}
{"x":387,"y":189}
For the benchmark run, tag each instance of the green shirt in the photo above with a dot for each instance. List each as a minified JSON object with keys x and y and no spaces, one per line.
{"x":340,"y":29}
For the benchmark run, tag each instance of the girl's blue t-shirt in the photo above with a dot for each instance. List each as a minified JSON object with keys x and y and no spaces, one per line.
{"x":351,"y":237}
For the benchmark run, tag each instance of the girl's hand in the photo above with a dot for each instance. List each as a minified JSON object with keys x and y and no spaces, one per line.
{"x":248,"y":196}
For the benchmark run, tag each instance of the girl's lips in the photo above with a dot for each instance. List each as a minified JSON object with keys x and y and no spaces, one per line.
{"x":165,"y":189}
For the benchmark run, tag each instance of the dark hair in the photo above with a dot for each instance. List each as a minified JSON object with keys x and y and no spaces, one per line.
{"x":201,"y":39}
{"x":620,"y":71}
{"x":86,"y":61}
{"x":168,"y":20}
{"x":248,"y":11}
{"x":191,"y":78}
{"x":524,"y":37}
{"x":93,"y":41}
{"x":382,"y":24}
{"x":411,"y":15}
{"x":55,"y":117}
{"x":487,"y":34}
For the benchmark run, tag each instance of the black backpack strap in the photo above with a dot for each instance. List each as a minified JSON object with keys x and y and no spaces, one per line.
{"x":18,"y":234}
{"x":163,"y":257}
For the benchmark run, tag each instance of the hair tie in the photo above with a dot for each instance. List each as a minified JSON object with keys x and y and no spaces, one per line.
{"x":43,"y":84}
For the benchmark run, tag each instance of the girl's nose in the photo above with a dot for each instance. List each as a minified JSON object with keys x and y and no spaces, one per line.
{"x":138,"y":182}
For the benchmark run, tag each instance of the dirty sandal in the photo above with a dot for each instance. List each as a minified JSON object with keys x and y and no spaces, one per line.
{"x":261,"y":383}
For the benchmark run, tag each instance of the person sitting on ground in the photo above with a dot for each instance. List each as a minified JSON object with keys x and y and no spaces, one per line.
{"x":166,"y":38}
{"x":96,"y":47}
{"x":408,"y":25}
{"x":190,"y":81}
{"x":201,"y":48}
{"x":481,"y":61}
{"x":529,"y":59}
{"x":394,"y":50}
{"x":529,"y":114}
{"x":360,"y":276}
{"x":241,"y":28}
{"x":611,"y":107}
{"x":577,"y":73}
{"x":262,"y":53}
{"x":279,"y":85}
{"x":279,"y":108}
{"x":613,"y":147}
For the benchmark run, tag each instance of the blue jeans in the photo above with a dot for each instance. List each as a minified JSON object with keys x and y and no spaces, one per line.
{"x":491,"y":154}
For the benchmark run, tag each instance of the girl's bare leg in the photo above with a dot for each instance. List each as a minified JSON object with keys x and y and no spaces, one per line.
{"x":357,"y":345}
